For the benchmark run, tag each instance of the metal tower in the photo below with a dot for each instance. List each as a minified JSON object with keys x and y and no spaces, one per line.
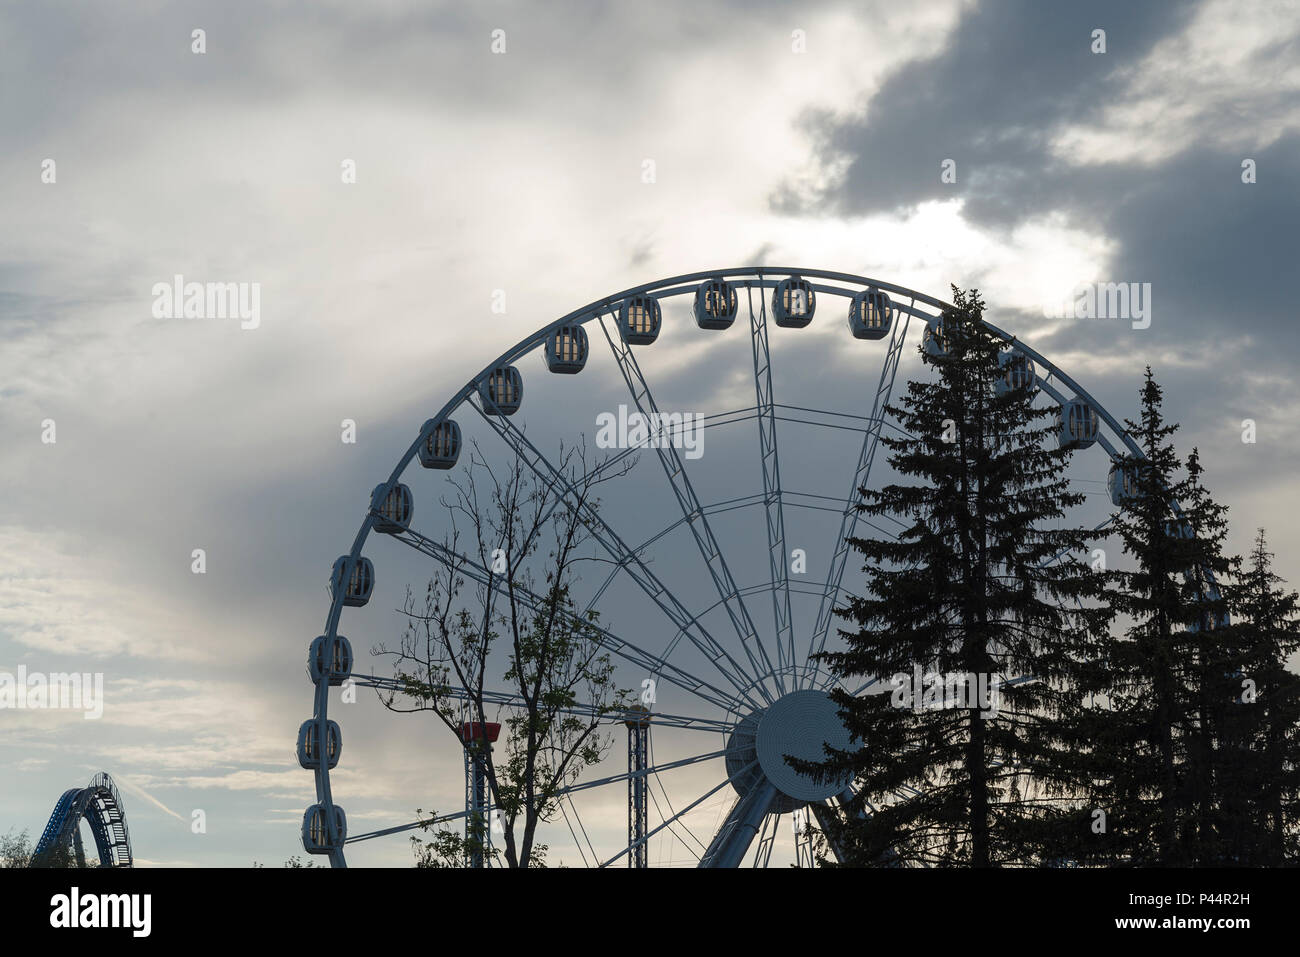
{"x":638,"y":748}
{"x":478,"y":739}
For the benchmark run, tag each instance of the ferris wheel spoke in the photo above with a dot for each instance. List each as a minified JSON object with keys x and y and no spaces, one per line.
{"x":566,"y":792}
{"x":607,"y":465}
{"x":727,"y":506}
{"x":829,"y":813}
{"x":690,"y":507}
{"x":609,"y":540}
{"x":655,"y":779}
{"x":577,"y":843}
{"x":743,"y":501}
{"x":712,"y":421}
{"x":1059,"y":555}
{"x":717,"y":508}
{"x":387,"y":831}
{"x":861,"y":475}
{"x":690,"y":807}
{"x":826,"y":819}
{"x":766,"y":838}
{"x":773,"y":502}
{"x":462,"y":564}
{"x":756,"y":589}
{"x":509,"y":699}
{"x":619,"y":778}
{"x":870,"y":683}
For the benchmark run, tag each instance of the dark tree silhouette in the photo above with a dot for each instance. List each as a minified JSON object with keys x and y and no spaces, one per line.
{"x":1264,"y":742}
{"x":979,"y":583}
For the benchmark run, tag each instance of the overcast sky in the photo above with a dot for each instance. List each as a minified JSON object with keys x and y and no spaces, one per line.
{"x":806,"y":134}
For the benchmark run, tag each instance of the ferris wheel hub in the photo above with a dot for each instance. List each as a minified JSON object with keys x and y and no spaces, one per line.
{"x":799,"y":725}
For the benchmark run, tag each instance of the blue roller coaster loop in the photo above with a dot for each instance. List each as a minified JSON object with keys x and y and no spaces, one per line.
{"x":101,"y":806}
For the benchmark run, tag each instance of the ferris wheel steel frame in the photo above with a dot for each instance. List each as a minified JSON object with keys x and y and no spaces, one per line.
{"x":764,"y":682}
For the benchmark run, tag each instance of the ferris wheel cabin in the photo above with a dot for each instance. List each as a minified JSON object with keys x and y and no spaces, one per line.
{"x":357,"y":579}
{"x":440,"y":446}
{"x":566,"y":350}
{"x":1077,"y":424}
{"x":330,"y":659}
{"x":502,"y":391}
{"x":395,"y":506}
{"x":309,"y":749}
{"x":639,"y":320}
{"x":793,"y":302}
{"x":1122,"y":482}
{"x":871,"y":313}
{"x":932,"y":340}
{"x":315,"y":834}
{"x":715,"y":304}
{"x":1015,"y":373}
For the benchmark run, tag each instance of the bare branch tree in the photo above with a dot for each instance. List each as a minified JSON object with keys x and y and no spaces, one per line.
{"x":527,"y":537}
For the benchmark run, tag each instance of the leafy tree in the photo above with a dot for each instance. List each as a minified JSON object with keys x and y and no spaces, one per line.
{"x":527,"y":539}
{"x":66,"y":856}
{"x":450,"y":848}
{"x":981,"y":583}
{"x":15,"y":849}
{"x":294,"y":861}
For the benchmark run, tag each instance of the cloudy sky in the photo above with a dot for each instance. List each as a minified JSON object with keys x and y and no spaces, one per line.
{"x":810,"y":134}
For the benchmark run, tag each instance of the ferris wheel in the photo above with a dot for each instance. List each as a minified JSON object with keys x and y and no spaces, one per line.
{"x":702,"y":599}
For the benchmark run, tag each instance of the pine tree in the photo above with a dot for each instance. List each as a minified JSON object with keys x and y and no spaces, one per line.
{"x":1212,"y":683}
{"x":1166,"y":767}
{"x":1141,"y":741}
{"x":971,"y":587}
{"x":1268,"y":729}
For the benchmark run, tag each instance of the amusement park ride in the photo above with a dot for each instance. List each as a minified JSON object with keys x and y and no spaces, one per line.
{"x":764,"y":689}
{"x":100,"y":805}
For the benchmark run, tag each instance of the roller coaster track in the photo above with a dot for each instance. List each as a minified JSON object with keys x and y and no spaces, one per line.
{"x":101,"y":806}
